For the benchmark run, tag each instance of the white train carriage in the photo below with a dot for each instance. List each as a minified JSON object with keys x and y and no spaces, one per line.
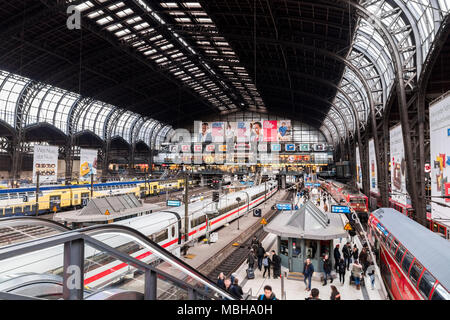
{"x":164,"y":227}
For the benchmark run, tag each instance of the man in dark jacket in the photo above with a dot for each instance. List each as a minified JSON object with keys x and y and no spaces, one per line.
{"x":268,"y":294}
{"x":347,"y":252}
{"x":326,"y":269}
{"x":236,"y":289}
{"x":276,"y":262}
{"x":308,"y":270}
{"x":337,"y":257}
{"x":260,"y":254}
{"x":363,"y":259}
{"x":251,"y":259}
{"x":255,"y":243}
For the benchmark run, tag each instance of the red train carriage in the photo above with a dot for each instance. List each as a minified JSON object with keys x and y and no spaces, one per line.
{"x":407,"y":210}
{"x":357,"y":200}
{"x":414,"y":261}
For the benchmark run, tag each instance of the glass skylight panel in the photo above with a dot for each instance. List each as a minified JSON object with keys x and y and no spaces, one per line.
{"x":183,"y":20}
{"x":84,"y":6}
{"x":116,"y":6}
{"x":124,"y":13}
{"x":104,"y":20}
{"x":95,"y":14}
{"x":191,"y":5}
{"x":114,"y":27}
{"x":169,"y":5}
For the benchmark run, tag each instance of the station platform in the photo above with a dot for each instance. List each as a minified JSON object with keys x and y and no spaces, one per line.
{"x":201,"y":252}
{"x":294,"y":289}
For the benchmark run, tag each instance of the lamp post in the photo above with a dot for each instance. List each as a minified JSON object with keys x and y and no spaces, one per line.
{"x":239,"y":201}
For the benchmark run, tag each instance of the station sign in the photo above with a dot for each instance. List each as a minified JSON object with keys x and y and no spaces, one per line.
{"x":257,"y":212}
{"x":283,"y":206}
{"x":340,"y":209}
{"x":173,"y":203}
{"x":308,"y":184}
{"x":316,"y":184}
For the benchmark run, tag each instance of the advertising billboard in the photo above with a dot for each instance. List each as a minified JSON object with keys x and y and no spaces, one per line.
{"x":373,"y":167}
{"x":284,"y":130}
{"x":45,"y":161}
{"x":88,"y":163}
{"x":270,"y":130}
{"x":440,"y":157}
{"x":358,"y":170}
{"x":398,"y":166}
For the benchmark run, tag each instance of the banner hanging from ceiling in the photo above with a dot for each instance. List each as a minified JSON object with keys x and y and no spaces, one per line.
{"x":440,"y":158}
{"x":45,"y":162}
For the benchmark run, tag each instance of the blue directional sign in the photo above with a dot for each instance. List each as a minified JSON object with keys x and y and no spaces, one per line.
{"x":340,"y":209}
{"x":283,"y":206}
{"x":308,"y":184}
{"x":173,"y":203}
{"x":290,"y":147}
{"x":316,"y":184}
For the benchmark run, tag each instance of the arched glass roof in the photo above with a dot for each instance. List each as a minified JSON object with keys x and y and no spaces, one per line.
{"x":413,"y":25}
{"x":42,"y":103}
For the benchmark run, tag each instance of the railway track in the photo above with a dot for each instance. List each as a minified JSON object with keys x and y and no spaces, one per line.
{"x":228,"y":259}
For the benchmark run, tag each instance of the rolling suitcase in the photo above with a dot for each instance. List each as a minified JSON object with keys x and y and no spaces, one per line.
{"x":250,"y":273}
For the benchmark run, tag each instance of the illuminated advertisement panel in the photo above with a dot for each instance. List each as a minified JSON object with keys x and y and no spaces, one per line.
{"x":440,"y":158}
{"x":358,"y":170}
{"x":398,"y":167}
{"x":373,"y":168}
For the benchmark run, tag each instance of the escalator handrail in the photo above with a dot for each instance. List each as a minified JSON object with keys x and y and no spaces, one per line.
{"x":98,"y":229}
{"x":34,"y":221}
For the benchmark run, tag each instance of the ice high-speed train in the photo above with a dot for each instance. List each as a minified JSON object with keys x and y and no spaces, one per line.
{"x":164,"y":227}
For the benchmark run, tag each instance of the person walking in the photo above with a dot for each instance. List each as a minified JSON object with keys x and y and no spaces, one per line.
{"x":363,"y":259}
{"x":251,"y":259}
{"x":335,"y":295}
{"x":337,"y":257}
{"x":341,"y":270}
{"x":308,"y":270}
{"x":254,"y":244}
{"x":356,"y":274}
{"x":355,"y":253}
{"x":346,"y":251}
{"x":276,"y":262}
{"x":221,"y":280}
{"x":260,"y":252}
{"x":314,"y":295}
{"x":268,"y":294}
{"x":372,"y":278}
{"x":326,"y":269}
{"x":266,"y":262}
{"x":236,"y":289}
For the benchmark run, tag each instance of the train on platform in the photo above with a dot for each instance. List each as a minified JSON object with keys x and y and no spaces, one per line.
{"x":54,"y":198}
{"x":407,"y":210}
{"x":414,"y":261}
{"x":165,"y":227}
{"x":344,"y":193}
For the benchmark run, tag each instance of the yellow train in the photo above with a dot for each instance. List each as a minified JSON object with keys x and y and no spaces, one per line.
{"x":22,"y":201}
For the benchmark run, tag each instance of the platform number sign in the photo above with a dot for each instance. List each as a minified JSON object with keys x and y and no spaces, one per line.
{"x":25,"y":198}
{"x":84,"y":202}
{"x":257,"y":212}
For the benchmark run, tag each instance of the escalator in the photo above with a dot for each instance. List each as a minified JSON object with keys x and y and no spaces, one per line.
{"x":116,"y":259}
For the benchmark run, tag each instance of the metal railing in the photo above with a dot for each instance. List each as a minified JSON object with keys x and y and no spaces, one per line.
{"x":74,"y":243}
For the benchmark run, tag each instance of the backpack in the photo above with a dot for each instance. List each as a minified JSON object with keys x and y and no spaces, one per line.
{"x":265,"y":262}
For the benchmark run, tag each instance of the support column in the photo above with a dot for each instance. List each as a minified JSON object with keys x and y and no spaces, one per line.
{"x":105,"y":163}
{"x":73,"y":274}
{"x":68,"y":160}
{"x":16,"y":157}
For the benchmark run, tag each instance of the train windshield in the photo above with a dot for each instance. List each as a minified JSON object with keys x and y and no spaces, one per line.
{"x":357,"y":201}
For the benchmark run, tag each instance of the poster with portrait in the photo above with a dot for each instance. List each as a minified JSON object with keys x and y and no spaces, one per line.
{"x":230,"y":132}
{"x":398,"y":166}
{"x":88,"y":163}
{"x":440,"y":158}
{"x":256,"y":131}
{"x":284,"y":130}
{"x":373,"y":167}
{"x":45,"y":161}
{"x":204,"y":133}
